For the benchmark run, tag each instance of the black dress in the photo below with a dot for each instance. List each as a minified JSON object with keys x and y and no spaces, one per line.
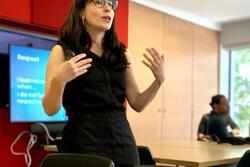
{"x":94,"y":103}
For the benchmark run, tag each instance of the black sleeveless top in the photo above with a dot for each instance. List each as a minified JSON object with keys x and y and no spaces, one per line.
{"x":94,"y":103}
{"x":102,"y":87}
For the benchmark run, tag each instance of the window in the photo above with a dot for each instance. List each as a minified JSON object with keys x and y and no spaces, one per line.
{"x":239,"y":88}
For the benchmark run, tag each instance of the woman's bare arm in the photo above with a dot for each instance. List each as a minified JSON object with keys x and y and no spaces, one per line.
{"x":139,"y":100}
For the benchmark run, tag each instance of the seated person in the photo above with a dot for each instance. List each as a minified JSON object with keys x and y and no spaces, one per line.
{"x":203,"y":127}
{"x":217,"y":125}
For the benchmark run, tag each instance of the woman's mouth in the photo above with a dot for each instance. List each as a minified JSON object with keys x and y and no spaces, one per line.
{"x":107,"y":18}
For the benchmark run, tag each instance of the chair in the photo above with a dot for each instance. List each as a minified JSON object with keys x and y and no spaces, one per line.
{"x":146,"y":158}
{"x":245,"y":160}
{"x":75,"y":160}
{"x":59,"y":145}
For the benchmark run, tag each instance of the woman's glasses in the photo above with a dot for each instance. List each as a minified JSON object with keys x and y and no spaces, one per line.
{"x":101,"y":3}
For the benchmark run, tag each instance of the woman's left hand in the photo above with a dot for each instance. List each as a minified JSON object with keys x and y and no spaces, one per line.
{"x":156,"y":64}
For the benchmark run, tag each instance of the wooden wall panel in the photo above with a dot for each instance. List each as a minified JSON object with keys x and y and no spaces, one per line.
{"x":205,"y":72}
{"x":191,"y":54}
{"x":145,"y":30}
{"x":177,"y":90}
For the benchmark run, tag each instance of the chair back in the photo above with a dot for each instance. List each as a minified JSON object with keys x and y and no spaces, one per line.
{"x":147,"y":159}
{"x":75,"y":160}
{"x":145,"y":156}
{"x":245,"y":160}
{"x":59,"y":145}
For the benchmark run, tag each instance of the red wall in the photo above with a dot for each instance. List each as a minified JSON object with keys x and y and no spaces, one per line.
{"x":122,"y":21}
{"x":8,"y":133}
{"x":56,"y":12}
{"x":54,"y":15}
{"x":16,"y":10}
{"x":51,"y":14}
{"x":47,"y":14}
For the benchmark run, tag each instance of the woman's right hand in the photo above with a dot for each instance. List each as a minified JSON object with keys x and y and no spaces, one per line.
{"x":73,"y":68}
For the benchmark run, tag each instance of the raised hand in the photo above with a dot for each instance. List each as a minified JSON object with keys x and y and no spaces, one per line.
{"x":155,"y":62}
{"x":73,"y":68}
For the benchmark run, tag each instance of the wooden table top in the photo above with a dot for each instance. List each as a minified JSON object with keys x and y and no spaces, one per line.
{"x":190,"y":152}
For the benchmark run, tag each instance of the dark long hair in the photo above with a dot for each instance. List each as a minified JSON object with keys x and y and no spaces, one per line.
{"x":74,"y":36}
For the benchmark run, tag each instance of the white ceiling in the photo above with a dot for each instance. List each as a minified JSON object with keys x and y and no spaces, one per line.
{"x":209,"y":13}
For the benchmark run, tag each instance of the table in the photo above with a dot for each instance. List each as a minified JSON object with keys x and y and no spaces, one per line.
{"x":195,"y":153}
{"x":190,"y":152}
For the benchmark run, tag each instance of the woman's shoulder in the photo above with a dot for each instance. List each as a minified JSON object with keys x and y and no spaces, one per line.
{"x":57,"y":47}
{"x":57,"y":51}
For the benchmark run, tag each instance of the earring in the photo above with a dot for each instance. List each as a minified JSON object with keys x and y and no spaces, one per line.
{"x":82,"y":17}
{"x":83,"y":20}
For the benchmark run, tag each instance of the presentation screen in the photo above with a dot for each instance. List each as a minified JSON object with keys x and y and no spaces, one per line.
{"x":27,"y":82}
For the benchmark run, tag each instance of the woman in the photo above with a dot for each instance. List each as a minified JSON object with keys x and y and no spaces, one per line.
{"x":91,"y":73}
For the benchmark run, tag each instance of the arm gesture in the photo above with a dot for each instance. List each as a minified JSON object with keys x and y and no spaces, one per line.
{"x":155,"y":62}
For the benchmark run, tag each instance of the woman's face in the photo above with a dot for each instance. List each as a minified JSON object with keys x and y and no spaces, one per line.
{"x":98,"y":18}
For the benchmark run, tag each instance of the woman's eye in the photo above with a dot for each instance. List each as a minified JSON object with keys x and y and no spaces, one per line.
{"x":99,"y":2}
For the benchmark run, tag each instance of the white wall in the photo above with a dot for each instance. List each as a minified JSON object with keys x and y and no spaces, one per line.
{"x":236,"y":34}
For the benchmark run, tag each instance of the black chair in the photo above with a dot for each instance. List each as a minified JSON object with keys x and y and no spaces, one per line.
{"x":75,"y":160}
{"x":245,"y":160}
{"x":146,"y":158}
{"x":59,"y":145}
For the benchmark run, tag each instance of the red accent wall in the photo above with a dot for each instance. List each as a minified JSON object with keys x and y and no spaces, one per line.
{"x":34,"y":14}
{"x":16,"y":10}
{"x":8,"y":133}
{"x":50,"y":13}
{"x":122,"y":21}
{"x":56,"y":12}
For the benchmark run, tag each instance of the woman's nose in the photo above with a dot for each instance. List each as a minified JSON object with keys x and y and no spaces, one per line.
{"x":107,"y":5}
